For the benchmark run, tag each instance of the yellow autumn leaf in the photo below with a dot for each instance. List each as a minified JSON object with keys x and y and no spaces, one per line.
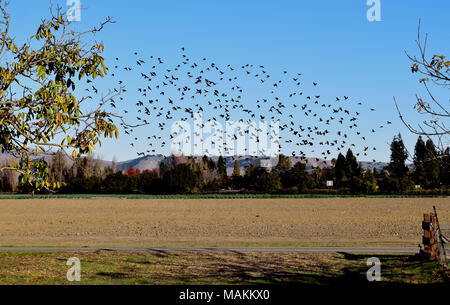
{"x":74,"y":154}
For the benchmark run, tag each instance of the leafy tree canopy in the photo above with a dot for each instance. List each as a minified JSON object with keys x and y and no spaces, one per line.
{"x":39,"y":110}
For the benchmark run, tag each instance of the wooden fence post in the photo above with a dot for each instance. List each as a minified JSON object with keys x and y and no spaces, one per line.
{"x":428,"y":238}
{"x":433,"y":243}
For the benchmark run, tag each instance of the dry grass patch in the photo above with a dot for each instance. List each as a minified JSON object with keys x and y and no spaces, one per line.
{"x":110,"y":267}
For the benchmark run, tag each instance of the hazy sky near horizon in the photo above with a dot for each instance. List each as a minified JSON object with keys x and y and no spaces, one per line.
{"x":329,"y":42}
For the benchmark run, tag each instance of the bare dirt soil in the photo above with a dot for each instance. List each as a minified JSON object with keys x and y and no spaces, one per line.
{"x":118,"y":222}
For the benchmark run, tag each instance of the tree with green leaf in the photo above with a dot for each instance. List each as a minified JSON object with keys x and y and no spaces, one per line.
{"x":369,"y":183}
{"x":431,"y":163}
{"x":39,"y":110}
{"x":297,"y":176}
{"x":339,"y":171}
{"x":221,"y":168}
{"x":399,"y":179}
{"x":353,"y":171}
{"x":236,"y":169}
{"x":283,"y":165}
{"x":427,"y":164}
{"x":179,"y":179}
{"x":419,"y":175}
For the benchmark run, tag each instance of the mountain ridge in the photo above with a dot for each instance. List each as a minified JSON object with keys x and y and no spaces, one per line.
{"x":151,"y":162}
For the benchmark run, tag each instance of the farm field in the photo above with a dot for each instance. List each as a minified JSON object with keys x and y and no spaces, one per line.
{"x":115,"y":222}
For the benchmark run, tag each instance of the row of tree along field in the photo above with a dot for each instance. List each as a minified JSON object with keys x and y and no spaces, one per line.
{"x":184,"y":175}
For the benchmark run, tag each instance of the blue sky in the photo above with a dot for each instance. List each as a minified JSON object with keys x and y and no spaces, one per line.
{"x":330,"y":42}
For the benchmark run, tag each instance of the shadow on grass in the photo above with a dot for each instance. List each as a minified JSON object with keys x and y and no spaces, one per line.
{"x":162,"y":267}
{"x":114,"y":275}
{"x":351,"y":269}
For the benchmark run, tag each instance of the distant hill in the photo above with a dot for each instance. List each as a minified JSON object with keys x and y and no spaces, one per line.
{"x":153,"y":161}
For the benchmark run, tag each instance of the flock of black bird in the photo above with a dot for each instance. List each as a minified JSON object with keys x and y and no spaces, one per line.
{"x":171,"y":93}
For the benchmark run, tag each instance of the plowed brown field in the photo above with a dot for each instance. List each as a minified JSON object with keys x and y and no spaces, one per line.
{"x":216,"y":222}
